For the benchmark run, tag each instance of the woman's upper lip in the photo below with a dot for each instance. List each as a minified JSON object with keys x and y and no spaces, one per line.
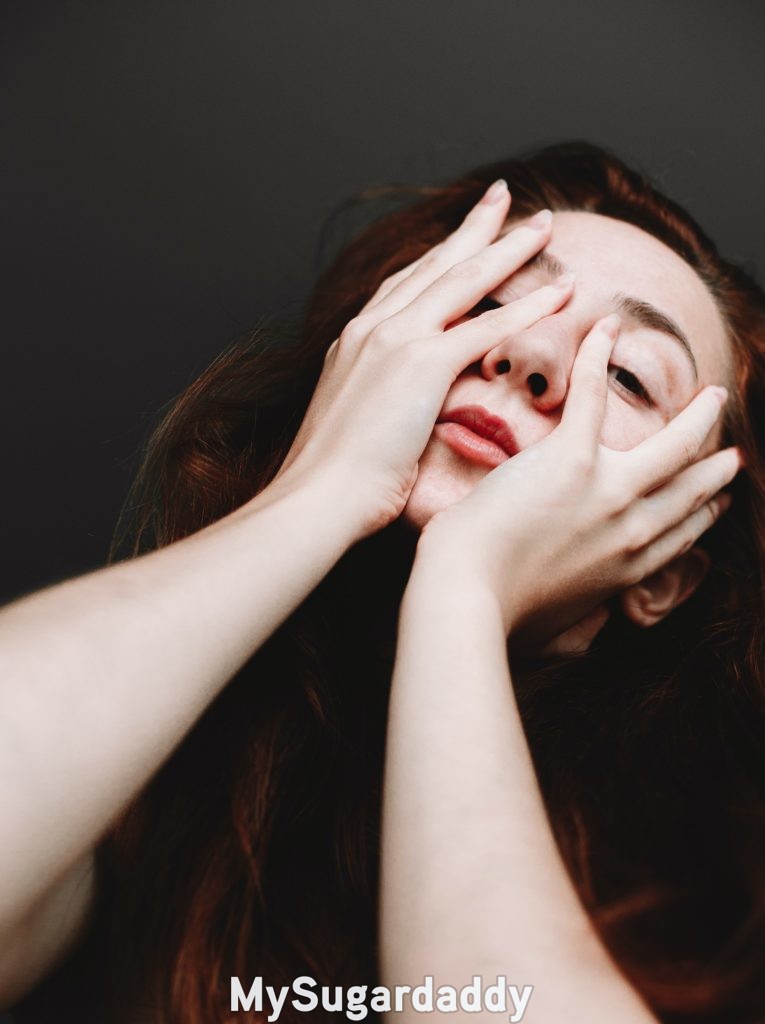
{"x":483,"y":423}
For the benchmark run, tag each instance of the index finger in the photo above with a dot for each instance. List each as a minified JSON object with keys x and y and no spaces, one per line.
{"x":478,"y":228}
{"x":588,"y":387}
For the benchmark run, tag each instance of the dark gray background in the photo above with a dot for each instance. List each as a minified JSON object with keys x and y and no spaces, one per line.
{"x":167,"y":166}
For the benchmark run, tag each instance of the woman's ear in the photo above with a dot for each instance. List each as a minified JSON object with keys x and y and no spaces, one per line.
{"x":649,"y":601}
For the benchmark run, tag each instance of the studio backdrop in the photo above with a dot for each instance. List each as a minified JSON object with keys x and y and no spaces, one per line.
{"x":168,"y":168}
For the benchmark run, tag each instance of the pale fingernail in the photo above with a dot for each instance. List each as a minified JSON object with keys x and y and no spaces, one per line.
{"x":721,"y":394}
{"x":541,"y":220}
{"x":611,"y":325}
{"x":565,"y":281}
{"x":495,"y":193}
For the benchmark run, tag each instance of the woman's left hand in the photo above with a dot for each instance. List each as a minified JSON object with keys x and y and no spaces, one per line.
{"x":567,"y":523}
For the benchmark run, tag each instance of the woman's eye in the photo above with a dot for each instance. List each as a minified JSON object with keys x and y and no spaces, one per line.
{"x":632,"y":383}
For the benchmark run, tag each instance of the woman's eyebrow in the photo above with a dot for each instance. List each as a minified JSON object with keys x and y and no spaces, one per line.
{"x":637,"y":310}
{"x":648,"y":315}
{"x":545,"y":261}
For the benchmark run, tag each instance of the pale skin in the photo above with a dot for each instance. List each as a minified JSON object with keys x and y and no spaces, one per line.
{"x":472,"y":880}
{"x":102,"y":676}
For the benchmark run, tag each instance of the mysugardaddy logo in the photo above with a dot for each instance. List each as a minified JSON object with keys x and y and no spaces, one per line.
{"x":357,"y":1001}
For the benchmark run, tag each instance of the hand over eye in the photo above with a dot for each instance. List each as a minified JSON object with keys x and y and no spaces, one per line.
{"x":567,"y":522}
{"x":386,"y":377}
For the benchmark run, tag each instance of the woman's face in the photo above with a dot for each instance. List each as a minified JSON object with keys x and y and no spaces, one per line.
{"x":672,"y":343}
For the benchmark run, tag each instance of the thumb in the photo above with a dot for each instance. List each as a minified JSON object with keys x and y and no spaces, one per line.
{"x":577,"y":639}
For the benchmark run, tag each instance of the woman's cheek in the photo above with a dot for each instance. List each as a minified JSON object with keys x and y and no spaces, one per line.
{"x":444,"y":478}
{"x":625,"y":426}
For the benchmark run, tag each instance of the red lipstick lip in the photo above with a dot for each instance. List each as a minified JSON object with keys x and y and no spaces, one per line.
{"x":481,"y":422}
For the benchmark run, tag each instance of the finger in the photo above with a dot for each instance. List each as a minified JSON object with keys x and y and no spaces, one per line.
{"x":460,"y":287}
{"x":390,"y":283}
{"x":682,"y":537}
{"x":671,"y":504}
{"x":471,"y":340}
{"x":677,"y":445}
{"x":477,"y":230}
{"x":579,"y":637}
{"x":588,"y":386}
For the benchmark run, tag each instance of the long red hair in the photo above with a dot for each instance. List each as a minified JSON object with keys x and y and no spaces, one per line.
{"x":254,"y":849}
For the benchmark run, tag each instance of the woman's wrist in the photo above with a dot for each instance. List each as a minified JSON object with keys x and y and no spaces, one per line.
{"x":325,"y":499}
{"x":442,"y":580}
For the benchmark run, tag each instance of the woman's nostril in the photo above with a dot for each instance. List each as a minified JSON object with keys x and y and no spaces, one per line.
{"x":503,"y":366}
{"x":537,"y":383}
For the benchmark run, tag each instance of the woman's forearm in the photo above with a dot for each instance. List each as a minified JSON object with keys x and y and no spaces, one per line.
{"x":472,"y":880}
{"x":102,"y":676}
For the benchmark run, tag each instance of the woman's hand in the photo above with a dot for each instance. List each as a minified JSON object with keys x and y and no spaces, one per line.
{"x":385,"y":378}
{"x":567,"y":523}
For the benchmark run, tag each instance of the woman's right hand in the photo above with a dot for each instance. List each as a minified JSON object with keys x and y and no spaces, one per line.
{"x":385,"y":379}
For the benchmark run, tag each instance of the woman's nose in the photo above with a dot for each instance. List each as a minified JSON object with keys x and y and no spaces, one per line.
{"x":537,"y":360}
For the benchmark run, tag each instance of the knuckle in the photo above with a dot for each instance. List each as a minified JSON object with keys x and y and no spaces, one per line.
{"x":399,"y":275}
{"x":468,"y":270}
{"x":636,"y":536}
{"x":687,"y":451}
{"x":699,"y":494}
{"x":385,"y":333}
{"x":635,"y":571}
{"x":433,"y":260}
{"x":576,"y":482}
{"x":688,"y":446}
{"x":385,"y":288}
{"x":580,"y":465}
{"x":615,"y":497}
{"x":356,"y":330}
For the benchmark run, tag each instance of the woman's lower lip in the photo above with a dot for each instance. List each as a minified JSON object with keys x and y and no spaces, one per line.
{"x":474,"y":447}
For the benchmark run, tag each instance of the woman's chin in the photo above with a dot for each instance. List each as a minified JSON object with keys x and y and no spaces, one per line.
{"x":433,"y":492}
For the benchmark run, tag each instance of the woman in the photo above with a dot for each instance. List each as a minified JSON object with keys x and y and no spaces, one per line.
{"x":252,"y":848}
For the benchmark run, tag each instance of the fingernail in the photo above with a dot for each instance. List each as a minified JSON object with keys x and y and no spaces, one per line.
{"x":495,"y":193}
{"x":611,"y":325}
{"x":721,"y":394}
{"x":565,"y":281}
{"x":541,"y":220}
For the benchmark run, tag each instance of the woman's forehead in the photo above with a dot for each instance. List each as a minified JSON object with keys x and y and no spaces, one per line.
{"x":612,"y":257}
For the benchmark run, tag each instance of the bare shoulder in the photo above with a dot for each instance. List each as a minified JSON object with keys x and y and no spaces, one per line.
{"x":48,"y":932}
